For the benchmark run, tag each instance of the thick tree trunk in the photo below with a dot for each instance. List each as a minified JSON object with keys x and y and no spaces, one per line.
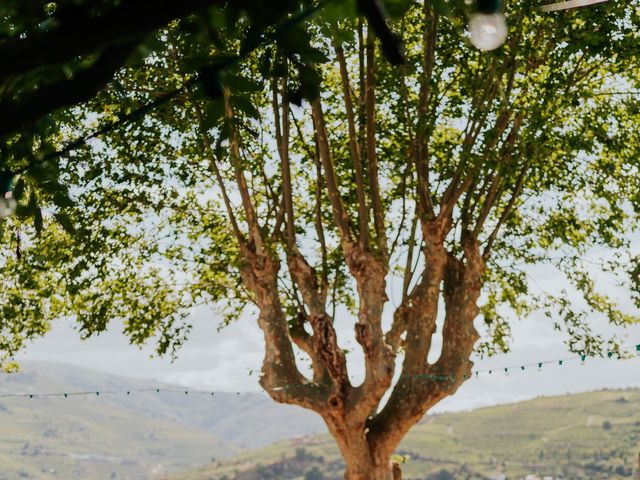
{"x":374,"y":473}
{"x":363,"y":461}
{"x":367,"y":468}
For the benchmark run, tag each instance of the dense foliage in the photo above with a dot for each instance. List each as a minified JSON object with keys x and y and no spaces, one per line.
{"x":579,"y":107}
{"x":312,"y":180}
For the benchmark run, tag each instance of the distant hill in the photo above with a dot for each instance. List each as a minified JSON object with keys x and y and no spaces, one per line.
{"x":149,"y":436}
{"x":594,"y":436}
{"x":136,"y":437}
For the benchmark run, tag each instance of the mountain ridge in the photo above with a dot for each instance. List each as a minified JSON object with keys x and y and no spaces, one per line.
{"x":590,"y":436}
{"x":220,"y":414}
{"x":137,"y":436}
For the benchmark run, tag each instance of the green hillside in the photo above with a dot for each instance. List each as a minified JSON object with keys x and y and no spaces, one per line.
{"x":586,"y":436}
{"x":84,"y":438}
{"x":134,"y":437}
{"x":89,"y":438}
{"x":249,"y":420}
{"x":153,"y":436}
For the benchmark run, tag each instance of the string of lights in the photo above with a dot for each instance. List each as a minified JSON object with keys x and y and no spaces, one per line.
{"x":127,"y":392}
{"x":632,"y":351}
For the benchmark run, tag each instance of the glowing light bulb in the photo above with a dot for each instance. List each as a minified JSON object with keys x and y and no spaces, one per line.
{"x":7,"y":204}
{"x":487,"y":31}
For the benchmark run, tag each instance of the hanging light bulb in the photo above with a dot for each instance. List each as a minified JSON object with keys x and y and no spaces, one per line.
{"x":488,"y":26}
{"x":8,"y":202}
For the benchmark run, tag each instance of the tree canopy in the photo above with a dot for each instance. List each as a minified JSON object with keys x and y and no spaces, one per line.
{"x":313,"y":181}
{"x":60,"y":53}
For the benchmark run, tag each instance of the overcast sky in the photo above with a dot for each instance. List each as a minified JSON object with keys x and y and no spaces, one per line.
{"x":224,"y":360}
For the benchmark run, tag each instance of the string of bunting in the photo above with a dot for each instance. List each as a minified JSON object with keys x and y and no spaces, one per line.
{"x":632,"y":351}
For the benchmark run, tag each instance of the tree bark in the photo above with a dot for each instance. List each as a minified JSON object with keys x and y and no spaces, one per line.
{"x":366,"y":430}
{"x":362,"y":460}
{"x":372,"y":472}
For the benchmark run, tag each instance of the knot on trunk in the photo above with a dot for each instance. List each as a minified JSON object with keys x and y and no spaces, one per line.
{"x":399,"y":326}
{"x":475,"y":264}
{"x":436,"y":230}
{"x":262,"y":266}
{"x":366,"y":266}
{"x":363,"y":336}
{"x":258,"y":273}
{"x":335,"y":403}
{"x":297,"y":331}
{"x":453,"y":276}
{"x":301,"y":270}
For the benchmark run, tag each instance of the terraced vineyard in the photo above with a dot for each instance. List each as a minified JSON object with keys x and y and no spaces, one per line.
{"x":592,"y":436}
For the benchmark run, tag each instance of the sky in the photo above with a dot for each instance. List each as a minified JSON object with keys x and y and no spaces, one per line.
{"x":229,"y":360}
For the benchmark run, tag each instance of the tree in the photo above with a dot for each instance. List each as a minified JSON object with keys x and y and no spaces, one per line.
{"x":437,"y":183}
{"x":300,"y":454}
{"x":314,"y":474}
{"x":58,"y":54}
{"x":62,"y":53}
{"x":442,"y":475}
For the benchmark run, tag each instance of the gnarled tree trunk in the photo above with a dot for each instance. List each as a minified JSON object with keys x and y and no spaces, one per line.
{"x":367,"y":431}
{"x":363,"y":461}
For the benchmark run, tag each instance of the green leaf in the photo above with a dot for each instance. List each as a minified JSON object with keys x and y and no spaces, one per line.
{"x":245,"y":105}
{"x":65,"y":222}
{"x":214,"y":113}
{"x":19,"y":189}
{"x":238,"y":83}
{"x":397,"y":8}
{"x":442,"y":7}
{"x":309,"y":82}
{"x":37,"y":220}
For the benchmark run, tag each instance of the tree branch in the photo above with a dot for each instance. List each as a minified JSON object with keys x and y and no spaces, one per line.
{"x":421,"y":147}
{"x":216,"y":171}
{"x":420,"y":385}
{"x":255,"y":234}
{"x":282,"y":138}
{"x":135,"y":19}
{"x":29,"y":108}
{"x":372,"y":154}
{"x":507,"y":211}
{"x":340,"y":214}
{"x":363,"y":211}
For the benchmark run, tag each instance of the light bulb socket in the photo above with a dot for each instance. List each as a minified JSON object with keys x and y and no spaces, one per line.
{"x":488,"y":6}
